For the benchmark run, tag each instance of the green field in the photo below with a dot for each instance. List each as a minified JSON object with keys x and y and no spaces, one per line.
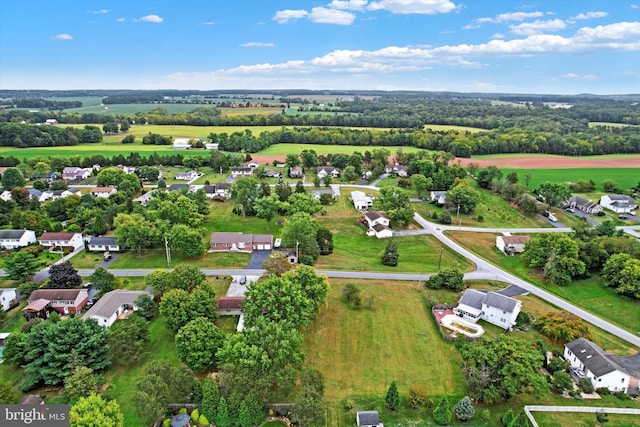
{"x":284,"y":149}
{"x":556,"y":156}
{"x":454,"y":127}
{"x":361,"y":351}
{"x":624,"y":177}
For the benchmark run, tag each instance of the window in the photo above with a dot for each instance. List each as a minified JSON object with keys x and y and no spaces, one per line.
{"x":622,"y":380}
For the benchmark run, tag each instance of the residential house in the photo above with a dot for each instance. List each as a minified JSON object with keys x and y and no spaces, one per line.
{"x":145,"y":198}
{"x":587,"y":360}
{"x":280,"y":164}
{"x":46,"y":177}
{"x":56,"y":240}
{"x":51,"y":122}
{"x":317,"y":193}
{"x":328,"y":170}
{"x":388,"y":169}
{"x":493,"y":307}
{"x":587,"y":206}
{"x":241,"y":171}
{"x":41,"y":196}
{"x":181,"y":144}
{"x":271,"y":173}
{"x":177,"y":187}
{"x":240,"y":242}
{"x":72,"y":173}
{"x":253,"y":164}
{"x":296,"y":172}
{"x":438,"y":197}
{"x":402,"y":170}
{"x":64,"y":301}
{"x":8,"y":298}
{"x":70,"y":192}
{"x":103,"y":192}
{"x":6,"y":195}
{"x":381,"y":231}
{"x":127,"y":169}
{"x":511,"y":245}
{"x":378,"y":225}
{"x":13,"y":239}
{"x":368,"y":419}
{"x":230,"y":306}
{"x":103,"y":244}
{"x":112,"y":305}
{"x":361,"y":201}
{"x":188,"y":176}
{"x":618,"y":203}
{"x":221,"y":189}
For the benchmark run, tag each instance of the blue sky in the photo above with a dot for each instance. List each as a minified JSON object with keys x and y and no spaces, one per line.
{"x":561,"y":46}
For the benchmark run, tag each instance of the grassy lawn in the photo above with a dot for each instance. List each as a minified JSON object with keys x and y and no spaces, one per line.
{"x":86,"y":260}
{"x":589,"y":294}
{"x":284,"y":149}
{"x":155,"y":258}
{"x":360,"y":352}
{"x":453,"y":127}
{"x":222,"y":218}
{"x":577,"y":419}
{"x":355,"y":251}
{"x":624,"y":177}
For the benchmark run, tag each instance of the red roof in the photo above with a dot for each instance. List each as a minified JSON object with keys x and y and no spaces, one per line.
{"x":230,"y":303}
{"x":515,"y":239}
{"x":57,"y":236}
{"x":37,"y":305}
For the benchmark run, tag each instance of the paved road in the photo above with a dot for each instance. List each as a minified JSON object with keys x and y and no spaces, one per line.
{"x":492,"y":272}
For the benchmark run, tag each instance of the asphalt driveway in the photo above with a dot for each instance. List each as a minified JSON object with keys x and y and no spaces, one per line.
{"x":257,"y":259}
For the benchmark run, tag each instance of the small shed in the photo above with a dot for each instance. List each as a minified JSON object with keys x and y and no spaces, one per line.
{"x":368,"y":419}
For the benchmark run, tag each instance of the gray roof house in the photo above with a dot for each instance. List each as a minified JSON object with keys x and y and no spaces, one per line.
{"x":577,"y":202}
{"x":13,"y":239}
{"x":619,"y":203}
{"x":368,"y":419}
{"x":490,"y":306}
{"x":112,"y":305}
{"x":103,"y":244}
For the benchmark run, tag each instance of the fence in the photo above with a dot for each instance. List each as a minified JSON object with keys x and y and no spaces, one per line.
{"x":585,"y":409}
{"x":444,"y":335}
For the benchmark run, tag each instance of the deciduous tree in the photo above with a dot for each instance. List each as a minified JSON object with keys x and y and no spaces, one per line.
{"x":267,"y":208}
{"x":127,"y":339}
{"x":64,"y":276}
{"x":95,"y":411}
{"x":12,"y":178}
{"x":244,"y":192}
{"x":81,"y":383}
{"x":197,"y":343}
{"x":103,"y":280}
{"x":277,"y":264}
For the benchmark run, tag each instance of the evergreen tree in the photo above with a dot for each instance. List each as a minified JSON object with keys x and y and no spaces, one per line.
{"x":464,"y":409}
{"x":99,"y":226}
{"x":255,"y":407}
{"x":442,"y":412}
{"x":244,"y":416}
{"x":210,"y":398}
{"x":507,"y":418}
{"x":222,"y":416}
{"x":521,"y":420}
{"x":390,"y":256}
{"x":392,"y":398}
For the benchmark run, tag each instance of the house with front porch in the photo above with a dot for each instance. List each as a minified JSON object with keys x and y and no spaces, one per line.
{"x":328,"y":170}
{"x":511,"y":245}
{"x":113,"y":305}
{"x":492,"y":307}
{"x":56,"y":240}
{"x":103,"y":244}
{"x":221,"y":189}
{"x":584,"y":205}
{"x":240,"y":242}
{"x":589,"y":361}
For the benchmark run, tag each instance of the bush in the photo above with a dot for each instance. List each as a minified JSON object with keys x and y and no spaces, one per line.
{"x":464,"y":409}
{"x":434,"y":215}
{"x":602,"y":417}
{"x":182,"y":411}
{"x":444,"y":218}
{"x":416,"y":397}
{"x":507,"y":418}
{"x":195,"y":414}
{"x":485,"y":415}
{"x":166,"y":423}
{"x":129,"y":139}
{"x":585,"y":385}
{"x":307,"y":259}
{"x":622,"y":395}
{"x":203,"y":421}
{"x":604,"y":391}
{"x":480,"y":218}
{"x":442,"y":412}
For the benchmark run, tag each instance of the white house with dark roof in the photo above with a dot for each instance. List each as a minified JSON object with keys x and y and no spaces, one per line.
{"x":13,"y":239}
{"x":181,"y":144}
{"x":438,"y":197}
{"x":112,"y":305}
{"x":361,"y":201}
{"x":103,"y":192}
{"x":241,"y":171}
{"x":511,"y":245}
{"x":41,"y":196}
{"x":188,"y":176}
{"x":103,"y":244}
{"x":328,"y":170}
{"x":587,"y":206}
{"x":222,"y":189}
{"x":368,"y":419}
{"x":493,"y":307}
{"x":587,"y":360}
{"x":55,"y":240}
{"x":619,"y":203}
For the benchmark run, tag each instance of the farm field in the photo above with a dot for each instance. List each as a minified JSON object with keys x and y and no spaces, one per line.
{"x":284,"y":149}
{"x":624,"y":177}
{"x":588,"y":294}
{"x":361,"y":351}
{"x":454,"y":127}
{"x":355,"y":251}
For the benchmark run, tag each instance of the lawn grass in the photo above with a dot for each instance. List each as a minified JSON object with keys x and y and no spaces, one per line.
{"x":361,"y":351}
{"x":589,"y":294}
{"x":624,"y":177}
{"x":155,"y":258}
{"x":578,"y":419}
{"x":355,"y":251}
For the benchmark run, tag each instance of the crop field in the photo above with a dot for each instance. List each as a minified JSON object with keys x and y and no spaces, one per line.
{"x":453,"y":127}
{"x":284,"y":149}
{"x":362,"y":351}
{"x":624,"y":177}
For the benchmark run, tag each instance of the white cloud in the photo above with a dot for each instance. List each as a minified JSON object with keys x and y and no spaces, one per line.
{"x":284,"y":16}
{"x":497,"y":36}
{"x":570,"y":76}
{"x":426,"y":7}
{"x":152,"y":18}
{"x":589,"y":15}
{"x":207,"y":23}
{"x":63,"y":36}
{"x":257,"y":44}
{"x":322,"y":15}
{"x":120,"y":20}
{"x":578,"y":76}
{"x":537,"y":27}
{"x":348,"y":4}
{"x":635,"y":6}
{"x":504,"y":17}
{"x":100,"y":11}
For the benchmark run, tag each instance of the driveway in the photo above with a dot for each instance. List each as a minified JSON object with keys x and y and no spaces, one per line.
{"x":556,"y":224}
{"x":107,"y":264}
{"x":585,"y":216}
{"x":257,"y":259}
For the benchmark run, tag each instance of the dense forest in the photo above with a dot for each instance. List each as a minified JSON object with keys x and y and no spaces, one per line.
{"x":527,"y":126}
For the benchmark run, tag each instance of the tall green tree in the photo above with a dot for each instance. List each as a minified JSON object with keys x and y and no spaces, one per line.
{"x":392,"y":398}
{"x":81,"y":383}
{"x":185,"y":240}
{"x":223,"y":419}
{"x":21,"y":266}
{"x":421,"y":183}
{"x":103,"y":280}
{"x":244,"y":192}
{"x":553,"y":193}
{"x":299,"y":231}
{"x":136,"y":232}
{"x":390,"y":256}
{"x":179,"y":307}
{"x":127,"y":339}
{"x":12,"y":178}
{"x":463,"y":196}
{"x":197,"y":343}
{"x":95,"y":411}
{"x":267,"y":208}
{"x":210,"y":397}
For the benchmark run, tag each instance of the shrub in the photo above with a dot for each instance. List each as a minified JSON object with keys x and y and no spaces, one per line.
{"x":203,"y":421}
{"x":195,"y":414}
{"x":416,"y":397}
{"x":442,"y":412}
{"x":585,"y":385}
{"x":622,"y":395}
{"x":392,"y":398}
{"x":129,"y":139}
{"x":434,"y":215}
{"x":307,"y":259}
{"x":507,"y":418}
{"x":464,"y":409}
{"x":485,"y":415}
{"x":444,"y":218}
{"x":604,"y":391}
{"x":166,"y":423}
{"x":480,"y":218}
{"x":602,"y":417}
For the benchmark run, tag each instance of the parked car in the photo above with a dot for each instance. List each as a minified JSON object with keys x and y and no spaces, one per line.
{"x":107,"y":256}
{"x":243,"y":280}
{"x":570,"y":210}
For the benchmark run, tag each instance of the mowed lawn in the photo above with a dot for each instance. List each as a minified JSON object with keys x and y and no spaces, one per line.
{"x":360,"y":352}
{"x":624,"y":177}
{"x":589,"y":294}
{"x":355,"y":251}
{"x":284,"y":149}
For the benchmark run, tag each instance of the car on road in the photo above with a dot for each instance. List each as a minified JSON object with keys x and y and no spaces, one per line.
{"x":243,"y":280}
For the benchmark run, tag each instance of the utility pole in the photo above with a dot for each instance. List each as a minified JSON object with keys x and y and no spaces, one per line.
{"x":166,"y":248}
{"x":440,"y":259}
{"x":459,"y":220}
{"x":297,"y":256}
